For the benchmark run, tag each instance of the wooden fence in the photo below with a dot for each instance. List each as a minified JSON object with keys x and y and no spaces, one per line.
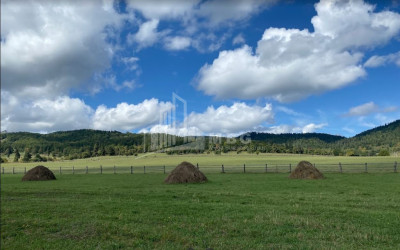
{"x":245,"y":168}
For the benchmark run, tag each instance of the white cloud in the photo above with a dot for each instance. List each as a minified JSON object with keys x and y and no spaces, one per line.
{"x":125,"y":117}
{"x":168,"y":129}
{"x":310,"y":128}
{"x":65,"y":113}
{"x":49,"y":47}
{"x":237,"y":118}
{"x":239,"y":39}
{"x":284,"y":129}
{"x":354,"y":23}
{"x":147,"y":34}
{"x":369,"y":108}
{"x":225,"y":121}
{"x":288,"y":111}
{"x":171,"y":9}
{"x":376,"y":61}
{"x":210,"y":13}
{"x":291,"y":64}
{"x":240,"y":73}
{"x":44,"y":115}
{"x":199,"y":20}
{"x":220,"y":12}
{"x":131,"y":62}
{"x":363,"y":110}
{"x":177,"y":42}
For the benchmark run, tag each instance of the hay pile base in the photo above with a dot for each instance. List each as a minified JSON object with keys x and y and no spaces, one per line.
{"x":39,"y":173}
{"x":305,"y":170}
{"x":185,"y":173}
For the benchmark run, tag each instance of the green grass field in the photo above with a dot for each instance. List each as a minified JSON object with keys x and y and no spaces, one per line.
{"x":209,"y":161}
{"x":231,"y":211}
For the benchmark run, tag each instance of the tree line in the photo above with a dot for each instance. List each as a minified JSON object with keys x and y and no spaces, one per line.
{"x":26,"y":147}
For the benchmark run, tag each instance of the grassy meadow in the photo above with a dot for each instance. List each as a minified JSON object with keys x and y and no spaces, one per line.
{"x":231,"y":211}
{"x":210,"y":162}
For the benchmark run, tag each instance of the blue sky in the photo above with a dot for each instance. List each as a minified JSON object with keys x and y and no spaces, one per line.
{"x":327,"y":66}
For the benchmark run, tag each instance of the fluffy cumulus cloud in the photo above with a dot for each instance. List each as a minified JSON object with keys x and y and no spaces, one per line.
{"x":369,"y":108}
{"x":213,"y":12}
{"x":237,"y":118}
{"x":225,"y":120}
{"x":147,"y":34}
{"x":198,"y":19}
{"x":65,"y":113}
{"x":154,"y":9}
{"x":291,"y":64}
{"x":126,"y":117}
{"x":48,"y":47}
{"x":284,"y":129}
{"x":43,"y":115}
{"x":353,"y":23}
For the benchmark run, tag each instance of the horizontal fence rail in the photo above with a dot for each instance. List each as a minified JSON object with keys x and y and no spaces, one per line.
{"x":386,"y":167}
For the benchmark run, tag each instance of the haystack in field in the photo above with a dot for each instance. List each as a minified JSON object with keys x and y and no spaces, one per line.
{"x":185,"y":173}
{"x":305,"y":170}
{"x":39,"y":173}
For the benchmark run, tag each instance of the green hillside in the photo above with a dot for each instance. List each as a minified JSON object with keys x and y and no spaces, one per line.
{"x":383,"y":140}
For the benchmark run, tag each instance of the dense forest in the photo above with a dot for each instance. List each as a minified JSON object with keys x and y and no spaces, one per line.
{"x":23,"y":146}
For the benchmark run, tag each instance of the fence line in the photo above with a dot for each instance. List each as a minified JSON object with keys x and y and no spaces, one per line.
{"x":223,"y":168}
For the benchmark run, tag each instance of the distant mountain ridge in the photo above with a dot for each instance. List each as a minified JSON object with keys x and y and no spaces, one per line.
{"x":87,"y":143}
{"x":288,"y":137}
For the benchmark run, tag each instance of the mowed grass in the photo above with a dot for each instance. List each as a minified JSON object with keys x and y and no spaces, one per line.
{"x":231,"y":211}
{"x":161,"y":159}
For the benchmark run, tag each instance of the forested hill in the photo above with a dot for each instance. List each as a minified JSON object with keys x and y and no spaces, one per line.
{"x":74,"y":144}
{"x":383,"y":140}
{"x":391,"y":128}
{"x":387,"y":136}
{"x":285,"y":138}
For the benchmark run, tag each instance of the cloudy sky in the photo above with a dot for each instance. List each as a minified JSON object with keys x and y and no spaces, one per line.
{"x":240,"y":65}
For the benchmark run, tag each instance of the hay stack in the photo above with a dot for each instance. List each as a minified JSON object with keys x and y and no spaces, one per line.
{"x":185,"y":173}
{"x":305,"y":170}
{"x":39,"y":173}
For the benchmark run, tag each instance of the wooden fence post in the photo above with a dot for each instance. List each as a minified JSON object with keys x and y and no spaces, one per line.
{"x":60,"y":169}
{"x":197,"y":165}
{"x":144,"y":169}
{"x":244,"y":168}
{"x":266,"y":168}
{"x":25,"y":171}
{"x":340,"y":168}
{"x":115,"y":170}
{"x":290,"y":168}
{"x":13,"y":170}
{"x":131,"y":169}
{"x":3,"y":170}
{"x":101,"y":169}
{"x":164,"y":169}
{"x":73,"y":170}
{"x":395,"y":167}
{"x":87,"y":170}
{"x":222,"y":169}
{"x":366,"y":168}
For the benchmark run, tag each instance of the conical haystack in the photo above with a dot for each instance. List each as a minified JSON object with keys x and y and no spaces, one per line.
{"x":305,"y":170}
{"x":185,"y":173}
{"x":39,"y":173}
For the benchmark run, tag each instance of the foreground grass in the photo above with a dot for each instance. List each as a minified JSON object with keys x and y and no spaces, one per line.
{"x":232,"y":211}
